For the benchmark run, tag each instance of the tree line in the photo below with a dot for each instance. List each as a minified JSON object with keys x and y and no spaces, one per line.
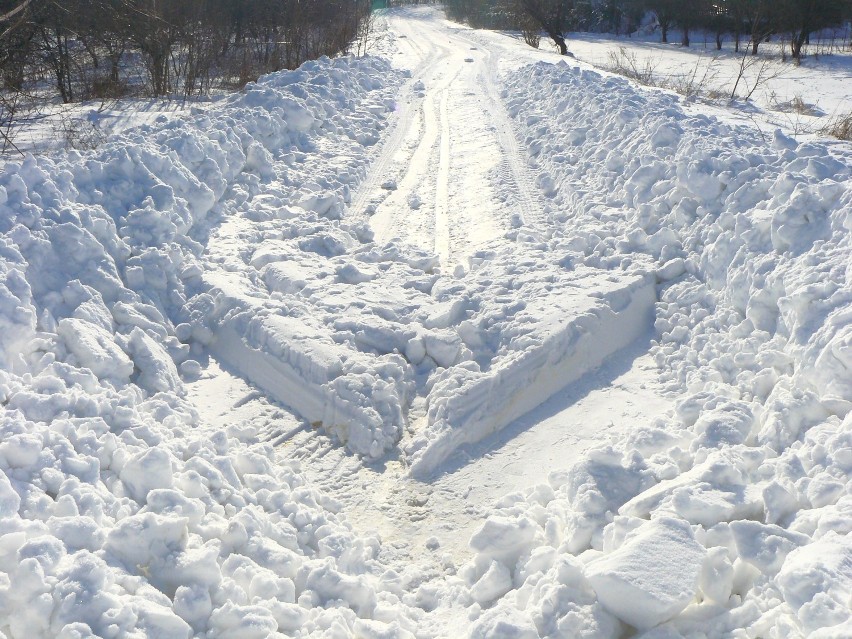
{"x":750,"y":21}
{"x":84,"y":49}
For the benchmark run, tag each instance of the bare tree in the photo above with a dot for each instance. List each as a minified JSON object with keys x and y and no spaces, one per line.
{"x":666,"y":12}
{"x":801,"y":18}
{"x":82,"y":48}
{"x":553,"y":16}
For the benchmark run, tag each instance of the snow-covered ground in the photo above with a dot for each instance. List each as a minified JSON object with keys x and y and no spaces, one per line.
{"x":460,"y":339}
{"x":769,"y":91}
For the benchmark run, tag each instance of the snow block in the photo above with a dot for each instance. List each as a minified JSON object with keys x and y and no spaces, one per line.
{"x":495,"y":583}
{"x":652,"y":576}
{"x":504,"y":539}
{"x":360,"y":399}
{"x":10,"y":501}
{"x":558,"y":339}
{"x":816,"y":581}
{"x":95,"y":349}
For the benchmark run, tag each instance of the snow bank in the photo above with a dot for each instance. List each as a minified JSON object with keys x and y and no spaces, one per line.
{"x":538,"y":325}
{"x":121,"y":514}
{"x":730,"y":514}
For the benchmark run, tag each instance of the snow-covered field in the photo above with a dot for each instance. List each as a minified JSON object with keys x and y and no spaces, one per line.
{"x":768,"y":91}
{"x":460,"y":339}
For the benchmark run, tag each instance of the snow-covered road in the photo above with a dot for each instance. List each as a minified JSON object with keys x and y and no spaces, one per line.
{"x":459,"y":318}
{"x":459,"y":340}
{"x":451,"y":177}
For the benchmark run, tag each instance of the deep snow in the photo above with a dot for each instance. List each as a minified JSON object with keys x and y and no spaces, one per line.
{"x":402,"y":259}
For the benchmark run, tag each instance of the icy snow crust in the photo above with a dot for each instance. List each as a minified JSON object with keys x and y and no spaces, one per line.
{"x":121,"y":514}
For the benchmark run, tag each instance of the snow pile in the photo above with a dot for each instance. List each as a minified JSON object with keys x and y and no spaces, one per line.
{"x":319,"y":333}
{"x":732,"y":512}
{"x":121,"y":514}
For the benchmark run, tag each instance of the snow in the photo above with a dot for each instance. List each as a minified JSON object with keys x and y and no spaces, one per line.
{"x":116,"y":500}
{"x":758,"y":229}
{"x":470,"y":343}
{"x":815,"y":582}
{"x":635,"y":580}
{"x":800,"y":99}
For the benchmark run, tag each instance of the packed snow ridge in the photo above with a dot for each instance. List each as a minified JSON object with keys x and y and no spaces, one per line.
{"x":230,"y":234}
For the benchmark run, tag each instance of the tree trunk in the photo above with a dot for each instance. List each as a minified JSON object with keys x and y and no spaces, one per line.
{"x":796,"y":43}
{"x":559,"y":39}
{"x":685,"y":40}
{"x":59,"y":59}
{"x":114,"y":61}
{"x":159,"y":69}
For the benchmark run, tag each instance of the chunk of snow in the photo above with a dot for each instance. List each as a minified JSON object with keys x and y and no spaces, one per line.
{"x":816,"y":581}
{"x":95,"y":349}
{"x":652,"y":576}
{"x":496,"y":582}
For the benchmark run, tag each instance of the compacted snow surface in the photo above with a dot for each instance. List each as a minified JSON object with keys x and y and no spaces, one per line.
{"x":459,"y":340}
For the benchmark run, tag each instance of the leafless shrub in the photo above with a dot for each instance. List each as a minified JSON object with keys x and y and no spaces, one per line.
{"x":697,"y":81}
{"x":839,"y":127}
{"x":753,"y":73}
{"x":78,"y":133}
{"x":530,"y":28}
{"x":364,"y":33}
{"x":626,"y":63}
{"x":14,"y":111}
{"x":796,"y":105}
{"x":106,"y":88}
{"x":532,"y":36}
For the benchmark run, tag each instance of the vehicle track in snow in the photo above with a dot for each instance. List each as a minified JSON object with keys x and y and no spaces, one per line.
{"x":450,"y":177}
{"x":426,"y":522}
{"x":528,"y":196}
{"x":409,"y":121}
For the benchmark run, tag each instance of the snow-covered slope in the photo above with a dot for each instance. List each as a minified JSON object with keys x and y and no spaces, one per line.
{"x":247,"y":233}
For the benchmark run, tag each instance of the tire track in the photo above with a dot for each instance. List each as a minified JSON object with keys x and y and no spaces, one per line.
{"x":442,"y":187}
{"x":529,"y":200}
{"x":409,"y":105}
{"x":423,"y":207}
